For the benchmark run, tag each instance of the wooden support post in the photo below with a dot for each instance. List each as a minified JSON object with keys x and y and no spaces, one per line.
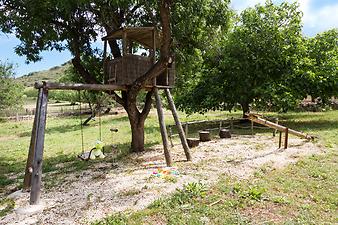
{"x":186,"y":129}
{"x":231,"y":124}
{"x":178,"y":125}
{"x":29,"y":163}
{"x":280,"y":139}
{"x":286,"y":138}
{"x":252,"y":128}
{"x":220,"y":125}
{"x":275,"y":130}
{"x":39,"y":145}
{"x":170,"y":136}
{"x":163,"y":128}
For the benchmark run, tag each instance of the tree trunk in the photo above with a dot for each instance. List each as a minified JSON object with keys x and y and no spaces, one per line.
{"x":137,"y":132}
{"x":136,"y":118}
{"x":245,"y":108}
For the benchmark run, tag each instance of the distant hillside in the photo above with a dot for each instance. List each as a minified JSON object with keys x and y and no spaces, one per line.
{"x":53,"y":74}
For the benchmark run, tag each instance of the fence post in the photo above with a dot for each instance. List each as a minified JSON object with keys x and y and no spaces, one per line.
{"x":170,"y":136}
{"x":286,"y":138}
{"x":280,"y":139}
{"x":252,"y":127}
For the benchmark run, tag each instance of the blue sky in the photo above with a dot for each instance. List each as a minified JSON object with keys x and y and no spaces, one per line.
{"x":319,"y":15}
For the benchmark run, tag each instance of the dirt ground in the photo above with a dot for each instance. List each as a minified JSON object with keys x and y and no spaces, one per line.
{"x":129,"y":184}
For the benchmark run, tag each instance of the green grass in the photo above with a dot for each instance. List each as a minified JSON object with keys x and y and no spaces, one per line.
{"x":303,"y":193}
{"x":63,"y":144}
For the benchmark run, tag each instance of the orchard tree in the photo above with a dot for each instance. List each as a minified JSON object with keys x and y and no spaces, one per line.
{"x":260,"y":51}
{"x":11,"y":92}
{"x":322,"y":79}
{"x":44,"y":25}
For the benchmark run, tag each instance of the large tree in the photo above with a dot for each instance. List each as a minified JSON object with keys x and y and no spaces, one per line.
{"x":43,"y":25}
{"x":11,"y":92}
{"x":322,"y":78}
{"x":250,"y":61}
{"x":74,"y":25}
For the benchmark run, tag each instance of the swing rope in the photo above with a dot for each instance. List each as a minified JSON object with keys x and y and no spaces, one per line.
{"x":100,"y":124}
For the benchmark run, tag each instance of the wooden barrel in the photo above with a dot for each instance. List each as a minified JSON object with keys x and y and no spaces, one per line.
{"x":193,"y":142}
{"x":224,"y":133}
{"x":204,"y":136}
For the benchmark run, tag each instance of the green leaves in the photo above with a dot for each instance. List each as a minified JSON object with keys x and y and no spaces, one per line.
{"x":247,"y":63}
{"x":11,"y":92}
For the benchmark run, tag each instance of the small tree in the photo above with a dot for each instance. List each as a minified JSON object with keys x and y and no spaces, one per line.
{"x":11,"y":92}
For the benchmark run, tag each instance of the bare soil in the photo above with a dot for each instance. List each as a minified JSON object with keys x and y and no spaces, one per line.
{"x":106,"y":188}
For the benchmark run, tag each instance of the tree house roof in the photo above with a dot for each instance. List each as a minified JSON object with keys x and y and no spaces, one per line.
{"x":142,"y":35}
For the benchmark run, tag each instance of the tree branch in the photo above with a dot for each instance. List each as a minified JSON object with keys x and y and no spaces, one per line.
{"x":165,"y":57}
{"x":147,"y":105}
{"x":82,"y":71}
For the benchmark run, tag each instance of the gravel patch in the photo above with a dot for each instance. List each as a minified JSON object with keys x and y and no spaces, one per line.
{"x":106,"y":188}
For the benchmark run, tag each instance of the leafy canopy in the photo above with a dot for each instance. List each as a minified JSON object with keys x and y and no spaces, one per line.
{"x":250,"y":61}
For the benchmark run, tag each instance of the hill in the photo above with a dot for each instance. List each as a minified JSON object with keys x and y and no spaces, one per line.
{"x":53,"y":74}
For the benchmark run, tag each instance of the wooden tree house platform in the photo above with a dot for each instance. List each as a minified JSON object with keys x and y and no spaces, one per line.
{"x":126,"y":69}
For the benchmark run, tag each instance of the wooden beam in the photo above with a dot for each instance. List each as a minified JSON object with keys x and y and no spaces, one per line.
{"x":178,"y":124}
{"x":39,"y":145}
{"x":29,"y":163}
{"x":90,"y":87}
{"x":163,"y":128}
{"x":257,"y":119}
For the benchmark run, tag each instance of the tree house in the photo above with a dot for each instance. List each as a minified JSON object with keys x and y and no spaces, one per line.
{"x":126,"y":69}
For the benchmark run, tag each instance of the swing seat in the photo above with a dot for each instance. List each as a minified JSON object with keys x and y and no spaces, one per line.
{"x":85,"y":156}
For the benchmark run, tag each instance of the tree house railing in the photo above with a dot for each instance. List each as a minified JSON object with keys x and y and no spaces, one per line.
{"x":125,"y":70}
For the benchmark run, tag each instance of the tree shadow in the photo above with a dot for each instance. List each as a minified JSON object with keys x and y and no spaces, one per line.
{"x":55,"y":168}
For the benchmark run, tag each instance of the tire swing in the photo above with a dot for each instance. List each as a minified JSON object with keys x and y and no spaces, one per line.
{"x":97,"y":150}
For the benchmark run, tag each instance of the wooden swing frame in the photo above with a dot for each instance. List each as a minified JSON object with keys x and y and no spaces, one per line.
{"x":33,"y":172}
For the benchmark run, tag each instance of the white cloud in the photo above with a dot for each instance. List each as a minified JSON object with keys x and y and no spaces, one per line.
{"x":240,"y":5}
{"x":316,"y":20}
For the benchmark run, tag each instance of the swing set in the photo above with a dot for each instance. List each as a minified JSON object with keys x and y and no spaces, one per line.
{"x":119,"y":73}
{"x":87,"y":155}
